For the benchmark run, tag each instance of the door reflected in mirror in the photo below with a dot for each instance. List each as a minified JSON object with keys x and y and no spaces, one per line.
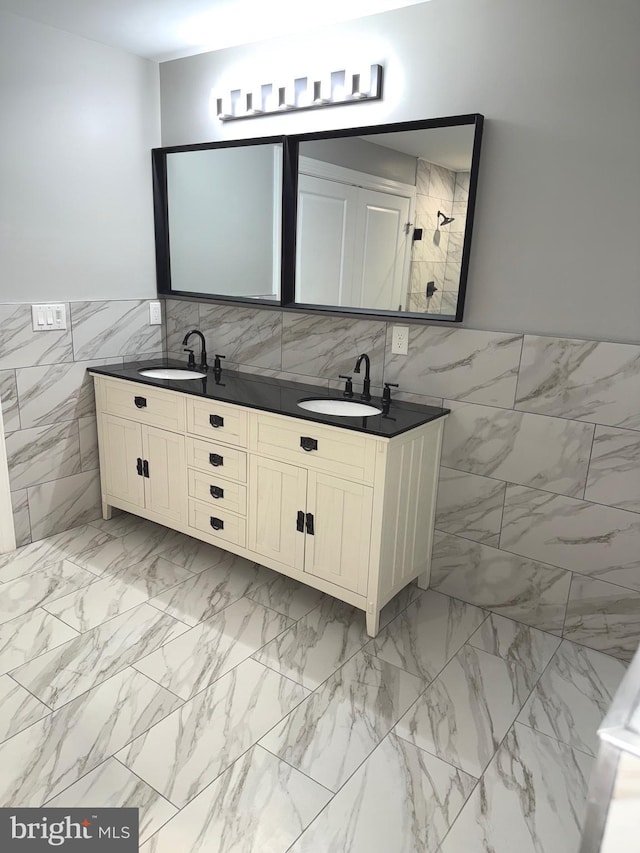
{"x":382,"y":220}
{"x":224,"y":209}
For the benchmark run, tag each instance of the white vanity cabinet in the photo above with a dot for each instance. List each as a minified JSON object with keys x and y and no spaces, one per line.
{"x":344,"y":511}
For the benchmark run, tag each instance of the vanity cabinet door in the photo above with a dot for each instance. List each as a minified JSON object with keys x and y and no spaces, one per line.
{"x":144,"y":466}
{"x":277,"y":511}
{"x":165,"y":473}
{"x":338,"y":526}
{"x":121,"y":448}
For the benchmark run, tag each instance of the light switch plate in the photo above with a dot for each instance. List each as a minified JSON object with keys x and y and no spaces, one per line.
{"x":155,"y":314}
{"x":400,"y":340}
{"x":51,"y":316}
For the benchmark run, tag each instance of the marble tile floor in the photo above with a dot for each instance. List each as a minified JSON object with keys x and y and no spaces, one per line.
{"x":243,"y":712}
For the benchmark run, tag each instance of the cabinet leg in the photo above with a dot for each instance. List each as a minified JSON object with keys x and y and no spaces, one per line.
{"x":107,"y":511}
{"x":373,"y":623}
{"x":423,"y":580}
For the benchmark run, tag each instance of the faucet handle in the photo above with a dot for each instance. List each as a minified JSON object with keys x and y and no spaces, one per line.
{"x":192,"y":360}
{"x":348,"y":386}
{"x":386,"y":394}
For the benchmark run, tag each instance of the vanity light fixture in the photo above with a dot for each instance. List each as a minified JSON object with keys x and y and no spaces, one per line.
{"x":345,"y":86}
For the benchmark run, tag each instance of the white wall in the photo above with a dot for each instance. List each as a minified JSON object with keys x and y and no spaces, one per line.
{"x":556,"y":246}
{"x":78,"y":121}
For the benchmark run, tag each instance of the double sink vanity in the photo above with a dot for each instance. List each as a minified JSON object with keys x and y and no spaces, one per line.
{"x":277,"y":472}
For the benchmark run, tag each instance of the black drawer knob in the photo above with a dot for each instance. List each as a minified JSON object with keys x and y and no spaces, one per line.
{"x":216,"y":460}
{"x":140,"y":402}
{"x":216,"y":492}
{"x":307,"y":443}
{"x":217,"y":523}
{"x":216,"y":421}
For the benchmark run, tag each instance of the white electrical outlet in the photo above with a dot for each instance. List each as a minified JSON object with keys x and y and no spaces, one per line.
{"x":400,"y":340}
{"x":155,"y":314}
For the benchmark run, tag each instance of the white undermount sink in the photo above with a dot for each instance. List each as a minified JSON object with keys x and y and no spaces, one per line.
{"x":342,"y":408}
{"x":171,"y":373}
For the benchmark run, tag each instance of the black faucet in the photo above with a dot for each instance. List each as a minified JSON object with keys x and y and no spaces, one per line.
{"x":203,"y":351}
{"x":366,"y":385}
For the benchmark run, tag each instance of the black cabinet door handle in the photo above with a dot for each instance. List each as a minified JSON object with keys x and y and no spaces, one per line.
{"x":310,"y":529}
{"x":140,"y":402}
{"x":216,"y":492}
{"x":145,"y":468}
{"x":139,"y":466}
{"x":216,"y":421}
{"x":307,"y":443}
{"x":216,"y":460}
{"x":300,"y":522}
{"x":216,"y":523}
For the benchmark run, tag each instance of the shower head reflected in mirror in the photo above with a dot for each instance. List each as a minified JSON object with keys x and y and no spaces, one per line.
{"x":445,"y":219}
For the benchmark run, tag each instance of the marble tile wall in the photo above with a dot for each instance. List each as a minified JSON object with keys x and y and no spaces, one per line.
{"x":538,"y":511}
{"x":49,"y":409}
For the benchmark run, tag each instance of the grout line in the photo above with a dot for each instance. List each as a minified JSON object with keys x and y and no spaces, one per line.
{"x":504,"y":503}
{"x":586,"y":477}
{"x":566,"y":606}
{"x":51,"y":710}
{"x":556,"y":739}
{"x":515,"y":390}
{"x":293,"y":767}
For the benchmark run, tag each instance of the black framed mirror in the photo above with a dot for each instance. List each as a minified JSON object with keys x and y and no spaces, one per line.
{"x":218,"y":219}
{"x":374,"y":221}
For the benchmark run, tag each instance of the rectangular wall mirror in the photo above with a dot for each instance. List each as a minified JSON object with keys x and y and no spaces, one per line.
{"x":374,"y":221}
{"x":219,"y":219}
{"x":383,"y":221}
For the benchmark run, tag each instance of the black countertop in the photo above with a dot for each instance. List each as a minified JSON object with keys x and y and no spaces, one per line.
{"x":278,"y":396}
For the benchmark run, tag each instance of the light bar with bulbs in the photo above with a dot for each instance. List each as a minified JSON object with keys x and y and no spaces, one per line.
{"x":346,"y":86}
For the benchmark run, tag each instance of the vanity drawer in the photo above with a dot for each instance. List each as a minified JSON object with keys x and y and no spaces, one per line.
{"x":219,"y":493}
{"x":333,"y":450}
{"x":218,"y":522}
{"x":142,"y":403}
{"x":219,"y":421}
{"x":227,"y":462}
